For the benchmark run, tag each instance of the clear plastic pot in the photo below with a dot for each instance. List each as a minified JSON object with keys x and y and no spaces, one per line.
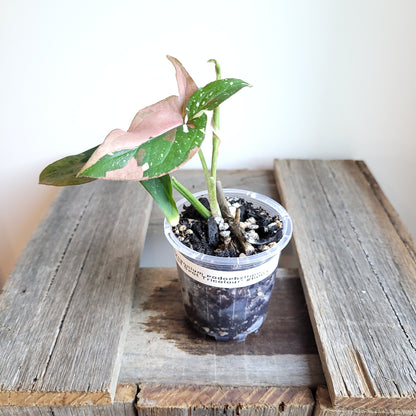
{"x":227,"y":297}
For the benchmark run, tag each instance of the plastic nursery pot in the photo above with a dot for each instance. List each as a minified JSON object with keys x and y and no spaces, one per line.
{"x":227,"y":297}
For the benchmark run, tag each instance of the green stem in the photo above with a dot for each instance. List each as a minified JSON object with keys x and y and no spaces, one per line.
{"x":216,"y":114}
{"x":215,"y":146}
{"x":204,"y":165}
{"x":187,"y":194}
{"x":212,"y":190}
{"x":212,"y":197}
{"x":216,"y":126}
{"x":211,"y":187}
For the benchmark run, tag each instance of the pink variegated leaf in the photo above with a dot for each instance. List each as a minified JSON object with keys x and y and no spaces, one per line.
{"x":149,"y":123}
{"x":153,"y":158}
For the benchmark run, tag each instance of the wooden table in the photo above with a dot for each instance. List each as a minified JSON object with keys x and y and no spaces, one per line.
{"x":85,"y":331}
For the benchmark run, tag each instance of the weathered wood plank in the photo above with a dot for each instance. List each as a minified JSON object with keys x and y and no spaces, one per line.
{"x":180,"y":400}
{"x":324,"y":407}
{"x":64,"y":310}
{"x":162,"y":348}
{"x":123,"y":406}
{"x":390,"y":211}
{"x":359,"y":278}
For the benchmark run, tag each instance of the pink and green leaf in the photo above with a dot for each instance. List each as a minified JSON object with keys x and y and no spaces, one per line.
{"x":119,"y":157}
{"x":113,"y":158}
{"x":155,"y":157}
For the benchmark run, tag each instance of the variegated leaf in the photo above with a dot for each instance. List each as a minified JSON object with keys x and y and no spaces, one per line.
{"x":212,"y":95}
{"x":155,"y":157}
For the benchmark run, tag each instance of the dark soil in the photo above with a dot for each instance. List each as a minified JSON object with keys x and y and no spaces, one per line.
{"x":216,"y":238}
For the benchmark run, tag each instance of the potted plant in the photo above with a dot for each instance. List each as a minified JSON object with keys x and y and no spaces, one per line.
{"x":227,"y":242}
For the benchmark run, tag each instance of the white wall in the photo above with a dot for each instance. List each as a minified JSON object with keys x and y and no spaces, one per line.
{"x":332,"y":79}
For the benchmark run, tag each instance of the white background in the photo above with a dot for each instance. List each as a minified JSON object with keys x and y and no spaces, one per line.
{"x":331,"y":79}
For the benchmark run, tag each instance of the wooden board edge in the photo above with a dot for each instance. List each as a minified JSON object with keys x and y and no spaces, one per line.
{"x":115,"y":386}
{"x":125,"y":394}
{"x":49,"y":398}
{"x":368,"y":407}
{"x":388,"y":208}
{"x":158,"y":396}
{"x":321,"y":352}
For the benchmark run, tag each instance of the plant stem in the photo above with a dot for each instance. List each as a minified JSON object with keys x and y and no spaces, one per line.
{"x":187,"y":194}
{"x":211,"y":187}
{"x":216,"y":125}
{"x":216,"y":115}
{"x":212,"y":197}
{"x":204,"y":165}
{"x":215,"y":145}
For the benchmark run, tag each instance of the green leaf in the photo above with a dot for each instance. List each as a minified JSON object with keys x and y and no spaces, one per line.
{"x":165,"y":153}
{"x":161,"y":191}
{"x":64,"y":171}
{"x":212,"y":95}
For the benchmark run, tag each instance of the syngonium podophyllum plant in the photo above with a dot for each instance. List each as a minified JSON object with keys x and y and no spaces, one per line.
{"x":160,"y":139}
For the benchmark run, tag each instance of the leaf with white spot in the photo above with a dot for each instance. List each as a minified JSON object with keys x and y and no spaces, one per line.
{"x":155,"y":157}
{"x":212,"y":95}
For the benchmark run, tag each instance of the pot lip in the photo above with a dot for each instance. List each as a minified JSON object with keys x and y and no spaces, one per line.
{"x":249,"y":260}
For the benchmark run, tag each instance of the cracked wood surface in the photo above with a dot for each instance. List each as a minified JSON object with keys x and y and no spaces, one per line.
{"x":180,"y":400}
{"x":64,"y":310}
{"x":324,"y":407}
{"x":123,"y":405}
{"x":359,"y":276}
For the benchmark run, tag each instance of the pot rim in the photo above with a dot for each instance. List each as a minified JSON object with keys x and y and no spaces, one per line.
{"x":258,"y":258}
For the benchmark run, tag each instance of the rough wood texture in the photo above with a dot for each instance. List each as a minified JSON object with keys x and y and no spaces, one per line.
{"x":123,"y":405}
{"x":161,"y":348}
{"x":324,"y":407}
{"x":182,"y":400}
{"x":64,"y":310}
{"x":359,"y":275}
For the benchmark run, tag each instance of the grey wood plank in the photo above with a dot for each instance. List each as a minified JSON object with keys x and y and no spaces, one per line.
{"x":388,"y":207}
{"x":162,"y":348}
{"x":184,"y":400}
{"x":123,"y":405}
{"x":65,"y":308}
{"x":359,"y":279}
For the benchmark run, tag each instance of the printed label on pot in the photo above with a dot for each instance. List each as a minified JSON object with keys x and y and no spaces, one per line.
{"x":228,"y":278}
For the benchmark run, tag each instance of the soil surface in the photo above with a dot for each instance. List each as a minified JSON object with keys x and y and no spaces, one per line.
{"x":217,"y":237}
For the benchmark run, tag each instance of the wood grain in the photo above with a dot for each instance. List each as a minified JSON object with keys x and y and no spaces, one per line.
{"x":123,"y":405}
{"x":162,"y":348}
{"x":324,"y":407}
{"x":214,"y":400}
{"x":65,"y":308}
{"x":359,"y":277}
